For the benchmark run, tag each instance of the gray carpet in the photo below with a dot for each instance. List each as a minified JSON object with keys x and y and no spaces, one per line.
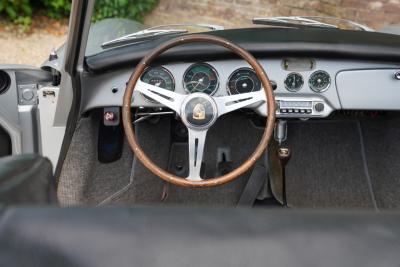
{"x":147,"y":188}
{"x":326,"y":169}
{"x":77,"y":164}
{"x":83,"y":179}
{"x":382,"y":139}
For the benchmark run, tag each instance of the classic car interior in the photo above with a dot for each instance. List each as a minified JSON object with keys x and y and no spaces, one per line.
{"x":279,"y":114}
{"x":336,"y":100}
{"x":225,"y":135}
{"x":333,"y":143}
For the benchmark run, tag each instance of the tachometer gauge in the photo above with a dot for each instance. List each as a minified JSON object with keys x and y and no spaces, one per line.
{"x":243,"y":80}
{"x":202,"y":78}
{"x":294,"y":82}
{"x":319,"y":81}
{"x":160,"y":77}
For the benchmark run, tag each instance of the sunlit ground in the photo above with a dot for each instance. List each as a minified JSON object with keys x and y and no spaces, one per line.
{"x":33,"y":46}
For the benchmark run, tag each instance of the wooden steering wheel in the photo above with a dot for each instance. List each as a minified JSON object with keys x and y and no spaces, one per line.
{"x":198,"y":112}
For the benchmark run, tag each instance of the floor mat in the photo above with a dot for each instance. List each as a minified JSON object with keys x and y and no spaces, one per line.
{"x":155,"y":140}
{"x":227,"y":133}
{"x":84,"y":180}
{"x":382,"y":139}
{"x":227,"y":194}
{"x":327,"y":168}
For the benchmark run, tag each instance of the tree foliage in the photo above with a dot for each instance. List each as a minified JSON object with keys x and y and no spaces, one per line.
{"x":22,"y":10}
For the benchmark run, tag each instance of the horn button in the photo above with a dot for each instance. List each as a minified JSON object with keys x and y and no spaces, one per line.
{"x":199,"y":111}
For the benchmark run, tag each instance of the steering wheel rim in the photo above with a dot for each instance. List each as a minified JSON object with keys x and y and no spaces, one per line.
{"x":224,"y":106}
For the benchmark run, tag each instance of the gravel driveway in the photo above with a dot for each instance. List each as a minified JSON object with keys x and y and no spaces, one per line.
{"x":32,"y":49}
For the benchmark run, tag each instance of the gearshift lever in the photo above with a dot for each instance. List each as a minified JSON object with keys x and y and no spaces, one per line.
{"x":284,"y":155}
{"x":280,"y":132}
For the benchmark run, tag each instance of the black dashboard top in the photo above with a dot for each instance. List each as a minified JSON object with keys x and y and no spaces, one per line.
{"x":262,"y":42}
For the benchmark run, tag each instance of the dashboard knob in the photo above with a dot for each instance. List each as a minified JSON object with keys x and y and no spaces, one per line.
{"x":274,"y":85}
{"x":397,"y":75}
{"x":319,"y":107}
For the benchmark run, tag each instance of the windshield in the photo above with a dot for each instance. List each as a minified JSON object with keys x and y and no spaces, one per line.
{"x":117,"y":23}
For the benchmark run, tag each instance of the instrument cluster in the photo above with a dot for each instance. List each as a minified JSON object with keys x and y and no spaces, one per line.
{"x":204,"y":78}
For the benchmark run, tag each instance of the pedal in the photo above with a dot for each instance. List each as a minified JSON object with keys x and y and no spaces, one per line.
{"x":111,"y":137}
{"x":224,"y":165}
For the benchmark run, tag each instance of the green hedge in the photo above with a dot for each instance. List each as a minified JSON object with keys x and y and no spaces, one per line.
{"x":15,"y":8}
{"x":19,"y":10}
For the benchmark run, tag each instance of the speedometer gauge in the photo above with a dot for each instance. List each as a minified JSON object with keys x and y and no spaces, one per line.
{"x":160,"y":77}
{"x":243,"y":80}
{"x":201,"y":78}
{"x":319,"y":81}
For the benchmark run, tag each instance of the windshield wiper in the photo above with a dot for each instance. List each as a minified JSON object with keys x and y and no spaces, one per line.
{"x":212,"y":27}
{"x":305,"y":22}
{"x":140,"y":37}
{"x":154,"y":33}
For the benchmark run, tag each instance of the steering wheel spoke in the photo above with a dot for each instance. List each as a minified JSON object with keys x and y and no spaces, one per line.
{"x":231,"y":103}
{"x":167,"y":98}
{"x":197,"y":140}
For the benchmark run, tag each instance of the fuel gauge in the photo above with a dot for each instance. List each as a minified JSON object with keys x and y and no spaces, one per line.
{"x":319,"y":81}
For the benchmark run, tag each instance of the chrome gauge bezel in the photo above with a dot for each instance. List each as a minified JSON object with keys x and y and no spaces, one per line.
{"x":196,"y":64}
{"x":297,"y":88}
{"x":234,"y":72}
{"x":170,"y":75}
{"x":327,"y":85}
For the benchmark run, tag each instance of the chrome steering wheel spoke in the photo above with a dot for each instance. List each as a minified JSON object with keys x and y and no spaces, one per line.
{"x":197,"y":140}
{"x":231,"y":103}
{"x":167,"y":98}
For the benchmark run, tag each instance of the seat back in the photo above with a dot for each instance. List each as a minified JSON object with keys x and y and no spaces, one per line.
{"x":26,"y":180}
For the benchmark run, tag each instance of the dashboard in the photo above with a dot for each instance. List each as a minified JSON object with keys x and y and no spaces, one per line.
{"x":303,"y":87}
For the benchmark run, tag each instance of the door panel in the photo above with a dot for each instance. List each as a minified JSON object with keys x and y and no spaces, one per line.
{"x":19,"y":120}
{"x":5,"y":143}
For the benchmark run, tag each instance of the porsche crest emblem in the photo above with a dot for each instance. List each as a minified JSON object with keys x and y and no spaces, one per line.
{"x":199,"y":112}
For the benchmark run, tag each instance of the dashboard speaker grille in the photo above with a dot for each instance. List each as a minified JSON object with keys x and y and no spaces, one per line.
{"x":5,"y":81}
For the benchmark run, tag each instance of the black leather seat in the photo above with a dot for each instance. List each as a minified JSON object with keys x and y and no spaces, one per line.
{"x":26,"y":180}
{"x":178,"y":237}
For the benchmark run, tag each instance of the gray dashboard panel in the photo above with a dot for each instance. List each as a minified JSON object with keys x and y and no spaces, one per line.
{"x":98,"y":88}
{"x":369,"y":89}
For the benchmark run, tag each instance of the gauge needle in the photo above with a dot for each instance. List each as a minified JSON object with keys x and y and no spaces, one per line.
{"x":200,"y":81}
